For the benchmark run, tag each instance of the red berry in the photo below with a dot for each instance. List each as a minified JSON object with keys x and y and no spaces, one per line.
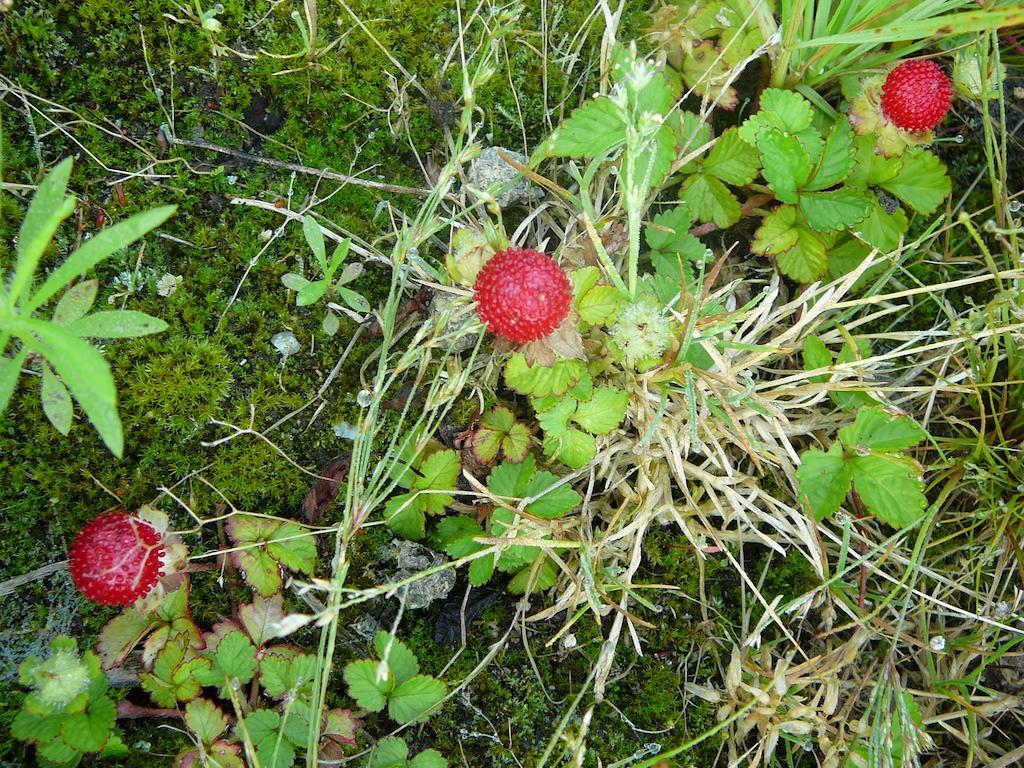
{"x":522,"y":295}
{"x":916,"y":95}
{"x":116,"y":558}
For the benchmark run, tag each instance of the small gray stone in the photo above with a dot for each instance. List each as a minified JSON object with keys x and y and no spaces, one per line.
{"x":488,"y":170}
{"x":285,"y":343}
{"x":412,"y":558}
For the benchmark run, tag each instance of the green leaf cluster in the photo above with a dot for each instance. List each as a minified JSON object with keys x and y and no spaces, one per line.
{"x":511,"y":483}
{"x":829,"y":183}
{"x":69,"y":712}
{"x":71,"y":367}
{"x":309,"y":292}
{"x":264,"y":546}
{"x":393,"y":680}
{"x":500,"y":434}
{"x":430,"y":481}
{"x":867,"y":459}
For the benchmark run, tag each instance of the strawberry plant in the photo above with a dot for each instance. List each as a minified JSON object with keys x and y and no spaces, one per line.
{"x":393,"y":752}
{"x":867,"y":459}
{"x":393,"y":680}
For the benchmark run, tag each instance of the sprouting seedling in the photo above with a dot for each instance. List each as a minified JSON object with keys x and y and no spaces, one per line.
{"x":311,"y":291}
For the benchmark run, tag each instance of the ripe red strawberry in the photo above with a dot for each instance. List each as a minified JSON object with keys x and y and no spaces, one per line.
{"x":116,"y":558}
{"x":916,"y":95}
{"x":522,"y":295}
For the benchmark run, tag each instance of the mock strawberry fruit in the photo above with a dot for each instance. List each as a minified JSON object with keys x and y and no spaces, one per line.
{"x":522,"y":295}
{"x":116,"y":558}
{"x":916,"y":95}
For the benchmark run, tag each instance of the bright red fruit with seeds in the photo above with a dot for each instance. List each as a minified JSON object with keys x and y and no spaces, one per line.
{"x":116,"y":558}
{"x":522,"y":295}
{"x":916,"y":95}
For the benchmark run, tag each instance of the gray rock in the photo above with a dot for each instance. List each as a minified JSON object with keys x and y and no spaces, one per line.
{"x":488,"y":170}
{"x":412,"y":558}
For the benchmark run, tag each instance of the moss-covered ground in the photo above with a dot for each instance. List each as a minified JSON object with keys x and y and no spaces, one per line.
{"x":102,"y":79}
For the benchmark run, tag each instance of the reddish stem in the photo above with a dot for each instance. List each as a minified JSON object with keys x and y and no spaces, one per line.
{"x":128,"y":711}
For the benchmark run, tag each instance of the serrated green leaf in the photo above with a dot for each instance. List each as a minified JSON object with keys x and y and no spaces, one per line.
{"x":583,"y":279}
{"x":498,"y":418}
{"x":516,"y":443}
{"x":922,"y":182}
{"x":554,"y":420}
{"x":205,"y":719}
{"x":823,"y":480}
{"x":88,"y":731}
{"x":481,"y":570}
{"x":259,"y":724}
{"x":732,"y":160}
{"x":405,"y":516}
{"x":509,"y":479}
{"x":236,"y":657}
{"x":539,"y":380}
{"x":871,"y":169}
{"x":544,"y":579}
{"x":890,"y":487}
{"x":575,"y":448}
{"x":806,"y":261}
{"x":553,"y":502}
{"x":787,"y":166}
{"x":56,"y":401}
{"x":440,"y":471}
{"x":836,"y":162}
{"x":788,"y":110}
{"x":361,"y":678}
{"x":669,"y":231}
{"x":592,"y":130}
{"x":261,"y":571}
{"x":603,"y":412}
{"x":486,"y":444}
{"x":413,"y":699}
{"x":76,"y":301}
{"x":36,"y":728}
{"x":259,"y":618}
{"x":117,"y":324}
{"x":428,"y":758}
{"x":816,"y":355}
{"x":881,"y":431}
{"x":778,"y":232}
{"x":880,"y":229}
{"x":389,"y":753}
{"x":455,"y":535}
{"x":400,"y":660}
{"x":832,"y":211}
{"x":600,"y":305}
{"x":710,"y":200}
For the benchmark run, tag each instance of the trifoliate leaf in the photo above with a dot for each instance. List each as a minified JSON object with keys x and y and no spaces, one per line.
{"x":836,"y":162}
{"x":832,"y":211}
{"x":890,"y":487}
{"x":881,"y":431}
{"x":414,"y":698}
{"x":922,"y":182}
{"x":575,"y":448}
{"x":823,"y":480}
{"x":205,"y":719}
{"x":710,"y":200}
{"x":787,"y":166}
{"x":590,"y":131}
{"x":539,"y":380}
{"x":400,"y":660}
{"x":499,"y":418}
{"x":732,"y":160}
{"x":554,"y":500}
{"x":361,"y":677}
{"x":603,"y":412}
